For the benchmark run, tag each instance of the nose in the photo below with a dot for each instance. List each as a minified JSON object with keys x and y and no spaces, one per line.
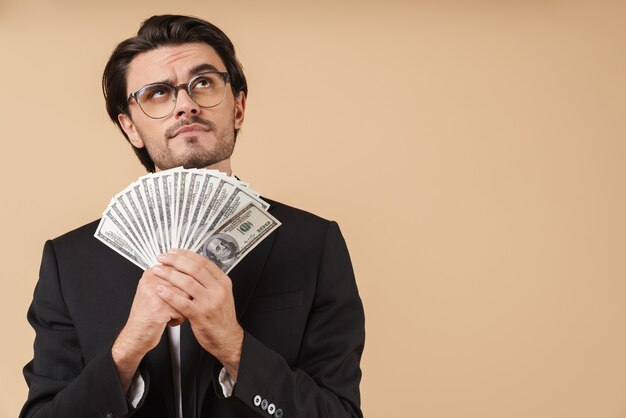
{"x":185,"y":105}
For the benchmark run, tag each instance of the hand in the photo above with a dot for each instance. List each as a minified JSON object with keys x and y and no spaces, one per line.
{"x":148,"y":317}
{"x":211,"y":308}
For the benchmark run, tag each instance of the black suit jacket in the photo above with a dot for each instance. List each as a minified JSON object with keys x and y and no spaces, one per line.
{"x":295,"y":297}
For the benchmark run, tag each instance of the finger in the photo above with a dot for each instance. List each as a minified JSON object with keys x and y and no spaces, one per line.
{"x":208,"y":264}
{"x":165,"y":313}
{"x":155,"y":279}
{"x":212,"y":268}
{"x":181,"y":281}
{"x":185,"y":306}
{"x":184,"y":262}
{"x":173,"y":317}
{"x":177,"y":321}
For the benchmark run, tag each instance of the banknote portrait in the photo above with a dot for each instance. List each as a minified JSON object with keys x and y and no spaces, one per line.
{"x":221,"y":249}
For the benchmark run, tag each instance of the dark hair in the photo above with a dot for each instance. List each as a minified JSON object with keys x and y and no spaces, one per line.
{"x":160,"y":31}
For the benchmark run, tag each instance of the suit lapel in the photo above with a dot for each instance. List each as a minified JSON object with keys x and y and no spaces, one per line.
{"x":246,"y":274}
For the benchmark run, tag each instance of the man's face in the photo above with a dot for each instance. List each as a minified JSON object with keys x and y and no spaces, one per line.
{"x":191,"y":136}
{"x":217,"y":247}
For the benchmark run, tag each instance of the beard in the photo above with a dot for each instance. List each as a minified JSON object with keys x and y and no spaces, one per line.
{"x":195,"y":154}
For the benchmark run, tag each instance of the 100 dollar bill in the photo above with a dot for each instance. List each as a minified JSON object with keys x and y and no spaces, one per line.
{"x":236,"y":237}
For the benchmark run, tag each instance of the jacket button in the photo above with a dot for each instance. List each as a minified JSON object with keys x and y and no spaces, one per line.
{"x":279,"y":413}
{"x":264,"y":404}
{"x":271,"y":408}
{"x":108,"y":415}
{"x":257,"y":400}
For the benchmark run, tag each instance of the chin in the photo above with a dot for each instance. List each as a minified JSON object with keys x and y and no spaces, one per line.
{"x":199,"y":160}
{"x":193,"y":152}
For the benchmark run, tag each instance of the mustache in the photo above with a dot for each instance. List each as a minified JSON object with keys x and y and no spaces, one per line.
{"x":171,"y":131}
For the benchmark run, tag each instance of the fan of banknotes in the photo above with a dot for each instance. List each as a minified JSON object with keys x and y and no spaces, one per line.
{"x":205,"y":211}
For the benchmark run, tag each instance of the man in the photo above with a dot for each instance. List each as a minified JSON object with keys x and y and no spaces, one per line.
{"x":281,"y":336}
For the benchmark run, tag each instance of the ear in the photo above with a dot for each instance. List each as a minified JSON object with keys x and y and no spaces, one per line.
{"x":240,"y":109}
{"x":129,"y":128}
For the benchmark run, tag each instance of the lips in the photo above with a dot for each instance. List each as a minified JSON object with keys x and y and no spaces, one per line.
{"x":190,"y":128}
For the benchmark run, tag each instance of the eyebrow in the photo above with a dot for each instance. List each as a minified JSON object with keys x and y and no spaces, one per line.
{"x":202,"y":68}
{"x":194,"y":71}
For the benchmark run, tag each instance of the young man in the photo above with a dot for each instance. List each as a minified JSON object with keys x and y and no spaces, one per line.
{"x":281,"y":336}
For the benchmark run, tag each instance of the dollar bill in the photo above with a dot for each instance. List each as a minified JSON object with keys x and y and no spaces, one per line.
{"x":154,"y":199}
{"x":167,"y":184}
{"x":237,"y":236}
{"x":145,"y":194}
{"x":209,"y":185}
{"x":161,"y":211}
{"x":110,"y":234}
{"x":232,"y":203}
{"x":125,"y":211}
{"x":190,"y":198}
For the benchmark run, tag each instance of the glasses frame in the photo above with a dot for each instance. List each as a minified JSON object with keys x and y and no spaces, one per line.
{"x":186,"y":86}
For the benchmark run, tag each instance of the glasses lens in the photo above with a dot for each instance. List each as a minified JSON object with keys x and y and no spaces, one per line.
{"x":208,"y":90}
{"x":157,"y":100}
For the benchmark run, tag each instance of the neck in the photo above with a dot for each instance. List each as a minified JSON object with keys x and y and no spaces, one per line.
{"x":223,"y":166}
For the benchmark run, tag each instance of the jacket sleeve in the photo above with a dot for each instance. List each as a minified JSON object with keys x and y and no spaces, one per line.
{"x":60,"y":383}
{"x":325,"y":382}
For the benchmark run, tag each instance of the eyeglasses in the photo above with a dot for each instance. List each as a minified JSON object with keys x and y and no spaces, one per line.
{"x":158,"y":100}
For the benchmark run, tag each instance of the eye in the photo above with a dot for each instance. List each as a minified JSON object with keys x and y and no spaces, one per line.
{"x":156,"y":93}
{"x":204,"y":82}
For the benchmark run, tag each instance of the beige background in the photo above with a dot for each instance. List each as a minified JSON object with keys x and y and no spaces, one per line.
{"x":472,"y":152}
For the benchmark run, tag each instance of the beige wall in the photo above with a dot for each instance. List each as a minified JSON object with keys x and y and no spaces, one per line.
{"x":472,"y":152}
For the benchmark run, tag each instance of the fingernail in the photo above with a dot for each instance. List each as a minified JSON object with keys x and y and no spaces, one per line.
{"x":158,"y":268}
{"x":173,"y":250}
{"x":160,"y":289}
{"x":161,"y":257}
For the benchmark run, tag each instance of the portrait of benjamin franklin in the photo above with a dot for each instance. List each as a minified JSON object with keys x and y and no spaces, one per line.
{"x":221,"y":249}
